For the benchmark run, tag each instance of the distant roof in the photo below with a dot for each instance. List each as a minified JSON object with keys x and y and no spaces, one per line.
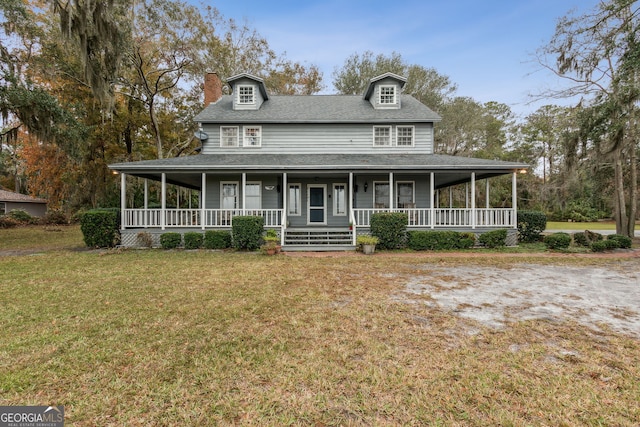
{"x":10,"y":196}
{"x":317,"y":109}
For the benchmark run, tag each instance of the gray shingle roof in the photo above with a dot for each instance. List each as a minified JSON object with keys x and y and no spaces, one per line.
{"x":317,"y":109}
{"x":10,"y":196}
{"x":319,"y":162}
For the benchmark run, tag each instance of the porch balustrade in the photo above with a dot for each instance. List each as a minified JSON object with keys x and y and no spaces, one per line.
{"x":192,"y":218}
{"x":445,"y":217}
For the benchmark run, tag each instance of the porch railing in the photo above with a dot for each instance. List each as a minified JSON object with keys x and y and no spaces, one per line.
{"x":446,"y":217}
{"x":193,"y":218}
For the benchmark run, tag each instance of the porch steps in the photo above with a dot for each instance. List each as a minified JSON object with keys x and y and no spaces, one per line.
{"x":318,"y":248}
{"x":315,"y":239}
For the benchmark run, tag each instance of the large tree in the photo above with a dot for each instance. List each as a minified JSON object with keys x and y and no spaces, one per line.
{"x":599,"y":54}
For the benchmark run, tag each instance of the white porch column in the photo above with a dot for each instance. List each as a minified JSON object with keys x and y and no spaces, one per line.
{"x":432,"y":213}
{"x":486,"y":193}
{"x":203,"y":201}
{"x":350,"y":209}
{"x":391,"y":197}
{"x":473,"y":200}
{"x":163,"y":202}
{"x":244,"y":192}
{"x":123,"y":200}
{"x":146,"y":203}
{"x":285,"y":202}
{"x":466,"y":195}
{"x":514,"y":199}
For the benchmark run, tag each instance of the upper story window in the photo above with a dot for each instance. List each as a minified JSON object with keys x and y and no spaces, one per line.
{"x":229,"y":136}
{"x":404,"y":136}
{"x":246,"y":95}
{"x":381,"y":136}
{"x":252,"y":136}
{"x":387,"y":95}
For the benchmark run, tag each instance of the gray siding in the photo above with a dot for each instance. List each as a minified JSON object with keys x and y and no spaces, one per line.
{"x":320,"y":139}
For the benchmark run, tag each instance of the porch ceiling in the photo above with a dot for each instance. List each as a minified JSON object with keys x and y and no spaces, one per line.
{"x":186,"y":171}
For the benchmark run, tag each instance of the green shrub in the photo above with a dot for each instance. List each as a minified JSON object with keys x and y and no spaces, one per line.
{"x":494,"y":238}
{"x":217,"y":239}
{"x":21,"y":216}
{"x":531,"y":224}
{"x":604,"y":245}
{"x":100,"y":227}
{"x":193,"y":240}
{"x":439,"y":240}
{"x":624,"y":242}
{"x":7,"y":222}
{"x":585,"y":238}
{"x":54,"y":218}
{"x":557,"y":241}
{"x":390,"y":228}
{"x":170,"y":240}
{"x":247,"y":232}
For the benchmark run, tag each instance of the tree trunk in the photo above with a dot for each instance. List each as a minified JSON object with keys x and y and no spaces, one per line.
{"x":633,"y":205}
{"x":156,"y":129}
{"x":622,"y":223}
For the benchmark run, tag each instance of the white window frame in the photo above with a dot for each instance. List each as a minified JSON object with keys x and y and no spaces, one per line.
{"x":373,"y":195}
{"x":413,"y":190}
{"x":293,"y":202}
{"x":224,"y":137}
{"x":377,"y":138}
{"x":236,"y":200}
{"x":387,"y":98}
{"x":246,"y":95}
{"x":339,"y":199}
{"x":247,"y":197}
{"x":413,"y":135}
{"x":246,"y":138}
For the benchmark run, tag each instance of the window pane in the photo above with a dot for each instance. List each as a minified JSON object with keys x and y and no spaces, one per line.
{"x":340,"y":199}
{"x":245,"y":95}
{"x":405,"y":135}
{"x":294,"y":199}
{"x":229,"y":136}
{"x":387,"y":95}
{"x":381,"y":195}
{"x":405,"y":195}
{"x":382,"y":135}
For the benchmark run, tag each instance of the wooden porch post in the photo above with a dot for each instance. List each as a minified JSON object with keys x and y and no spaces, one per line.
{"x":285,"y":209}
{"x":432,"y":213}
{"x":514,"y":199}
{"x":391,"y":204}
{"x":203,"y":201}
{"x":146,"y":203}
{"x":123,"y":199}
{"x":244,"y":192}
{"x":473,"y":200}
{"x":163,"y":202}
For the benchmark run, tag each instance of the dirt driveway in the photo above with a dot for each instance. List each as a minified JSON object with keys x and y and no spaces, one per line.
{"x":494,"y":296}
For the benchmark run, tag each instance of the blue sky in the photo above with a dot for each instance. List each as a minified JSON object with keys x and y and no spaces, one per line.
{"x":485,"y":47}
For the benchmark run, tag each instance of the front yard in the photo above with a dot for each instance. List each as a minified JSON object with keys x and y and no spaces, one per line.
{"x":154,"y":337}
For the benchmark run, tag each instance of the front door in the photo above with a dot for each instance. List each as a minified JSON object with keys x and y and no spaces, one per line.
{"x":316,"y":204}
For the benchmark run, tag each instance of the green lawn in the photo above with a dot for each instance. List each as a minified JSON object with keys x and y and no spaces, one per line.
{"x":154,"y":337}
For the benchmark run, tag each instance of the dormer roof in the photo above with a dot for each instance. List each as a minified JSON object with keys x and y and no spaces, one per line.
{"x":263,"y":90}
{"x":372,"y":83}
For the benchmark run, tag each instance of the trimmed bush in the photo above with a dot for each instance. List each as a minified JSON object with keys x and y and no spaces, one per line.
{"x":193,"y":240}
{"x":531,"y":224}
{"x":247,"y":232}
{"x":557,"y":241}
{"x":100,"y":227}
{"x":217,"y":239}
{"x":604,"y":245}
{"x":170,"y":240}
{"x":439,"y":240}
{"x":494,"y":238}
{"x":585,"y":238}
{"x":624,"y":242}
{"x":390,"y":228}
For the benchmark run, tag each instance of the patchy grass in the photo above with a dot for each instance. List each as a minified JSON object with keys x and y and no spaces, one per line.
{"x":581,"y":226}
{"x":209,"y":338}
{"x":41,"y":238}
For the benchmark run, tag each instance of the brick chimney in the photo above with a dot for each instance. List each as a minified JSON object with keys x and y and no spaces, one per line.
{"x":212,"y":88}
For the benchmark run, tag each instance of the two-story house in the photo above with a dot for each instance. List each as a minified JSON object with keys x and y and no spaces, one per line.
{"x":315,"y":167}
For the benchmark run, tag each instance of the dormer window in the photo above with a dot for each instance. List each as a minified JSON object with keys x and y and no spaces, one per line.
{"x":387,"y":95}
{"x":246,"y":95}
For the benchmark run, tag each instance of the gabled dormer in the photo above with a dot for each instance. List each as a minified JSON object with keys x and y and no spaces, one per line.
{"x":384,"y":91}
{"x":248,"y":91}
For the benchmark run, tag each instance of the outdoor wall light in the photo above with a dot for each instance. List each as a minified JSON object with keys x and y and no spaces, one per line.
{"x":366,"y":185}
